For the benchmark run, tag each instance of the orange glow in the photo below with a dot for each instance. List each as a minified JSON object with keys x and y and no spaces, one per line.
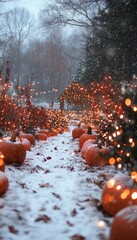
{"x":135,"y":109}
{"x":119,"y":166}
{"x":125,"y":193}
{"x":128,"y":102}
{"x":112,"y":161}
{"x":134,"y":196}
{"x":134,"y":175}
{"x":119,"y":159}
{"x":130,"y":140}
{"x":118,"y":187}
{"x":1,"y":162}
{"x":132,"y":144}
{"x":1,"y":156}
{"x":111,"y":183}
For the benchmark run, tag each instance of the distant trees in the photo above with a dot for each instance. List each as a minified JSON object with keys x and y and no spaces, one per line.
{"x":110,"y":30}
{"x":17,"y":26}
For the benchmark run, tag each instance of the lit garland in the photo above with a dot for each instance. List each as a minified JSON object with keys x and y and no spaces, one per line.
{"x":122,"y":133}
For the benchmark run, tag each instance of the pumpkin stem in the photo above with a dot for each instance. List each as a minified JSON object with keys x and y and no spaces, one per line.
{"x":99,"y":145}
{"x":79,"y":125}
{"x":89,"y":130}
{"x":13,"y":136}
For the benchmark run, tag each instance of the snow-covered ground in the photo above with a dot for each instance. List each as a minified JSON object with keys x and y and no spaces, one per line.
{"x":54,"y":195}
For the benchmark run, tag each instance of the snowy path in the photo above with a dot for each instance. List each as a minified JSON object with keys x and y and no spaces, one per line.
{"x":53,"y":195}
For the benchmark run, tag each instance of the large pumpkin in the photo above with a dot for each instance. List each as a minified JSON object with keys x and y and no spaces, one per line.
{"x":85,"y":136}
{"x":119,"y":192}
{"x":77,"y":132}
{"x":13,"y":152}
{"x":97,"y":156}
{"x":4,"y":183}
{"x":124,"y":225}
{"x":86,"y":145}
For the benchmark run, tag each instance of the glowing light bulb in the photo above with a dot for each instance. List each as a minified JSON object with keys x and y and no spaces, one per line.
{"x":111,"y":183}
{"x":112,"y":161}
{"x":134,"y":196}
{"x":128,"y":102}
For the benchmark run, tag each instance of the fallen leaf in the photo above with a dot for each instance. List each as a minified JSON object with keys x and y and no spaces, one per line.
{"x":48,"y":158}
{"x":77,"y":237}
{"x":45,"y":185}
{"x":56,"y":207}
{"x":74,"y":212}
{"x":43,"y":218}
{"x":57,"y":195}
{"x":12,"y":230}
{"x":70,"y":224}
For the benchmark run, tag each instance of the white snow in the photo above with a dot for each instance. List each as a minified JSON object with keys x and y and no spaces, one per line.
{"x":54,"y":194}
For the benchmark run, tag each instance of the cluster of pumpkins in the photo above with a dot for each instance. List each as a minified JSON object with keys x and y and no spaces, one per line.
{"x":13,"y":151}
{"x":119,"y":195}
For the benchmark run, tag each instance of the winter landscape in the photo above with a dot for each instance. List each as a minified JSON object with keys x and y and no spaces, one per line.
{"x":68,"y":120}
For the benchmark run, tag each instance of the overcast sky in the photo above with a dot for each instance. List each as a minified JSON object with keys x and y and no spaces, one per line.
{"x":34,"y":6}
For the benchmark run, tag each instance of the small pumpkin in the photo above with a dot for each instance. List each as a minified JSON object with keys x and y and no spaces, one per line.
{"x":85,"y":136}
{"x":41,"y":136}
{"x":97,"y":156}
{"x":124,"y":225}
{"x":4,"y":183}
{"x":28,"y":136}
{"x":53,"y":133}
{"x":119,"y":192}
{"x":86,"y":145}
{"x":45,"y":131}
{"x":14,"y":152}
{"x":77,"y":131}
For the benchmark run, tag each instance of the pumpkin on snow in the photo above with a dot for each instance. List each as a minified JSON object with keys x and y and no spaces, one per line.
{"x":41,"y":136}
{"x":14,"y":152}
{"x":85,"y":136}
{"x":45,"y":131}
{"x":26,"y":143}
{"x":124,"y":225}
{"x":119,"y":192}
{"x":28,"y":136}
{"x":97,"y":156}
{"x":77,"y":131}
{"x":86,"y":145}
{"x":4,"y":183}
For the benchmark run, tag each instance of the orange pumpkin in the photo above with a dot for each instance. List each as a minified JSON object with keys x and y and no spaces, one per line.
{"x":85,"y":136}
{"x":53,"y":133}
{"x":4,"y":183}
{"x":41,"y":136}
{"x":46,"y":131}
{"x":77,"y":132}
{"x":124,"y":225}
{"x":28,"y":136}
{"x":26,"y":143}
{"x":119,"y":192}
{"x":96,"y":156}
{"x":13,"y":152}
{"x":86,"y":145}
{"x":2,"y":163}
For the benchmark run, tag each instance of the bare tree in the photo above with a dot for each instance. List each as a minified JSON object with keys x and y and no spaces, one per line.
{"x":17,"y":26}
{"x":73,"y":12}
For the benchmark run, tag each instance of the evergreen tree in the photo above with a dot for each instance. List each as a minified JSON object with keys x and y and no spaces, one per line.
{"x":112,"y":48}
